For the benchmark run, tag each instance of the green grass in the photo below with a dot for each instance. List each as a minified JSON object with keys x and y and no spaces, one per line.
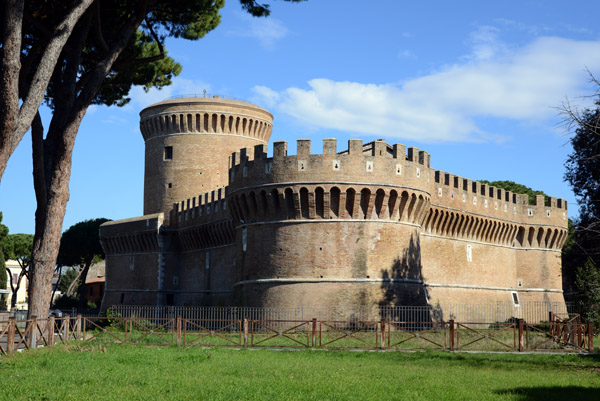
{"x":124,"y":372}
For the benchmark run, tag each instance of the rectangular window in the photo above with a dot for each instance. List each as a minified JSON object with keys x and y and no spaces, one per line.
{"x":469,"y":253}
{"x":515,"y":298}
{"x":168,"y":152}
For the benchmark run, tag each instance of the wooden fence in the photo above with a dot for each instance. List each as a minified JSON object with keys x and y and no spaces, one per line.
{"x":560,"y":334}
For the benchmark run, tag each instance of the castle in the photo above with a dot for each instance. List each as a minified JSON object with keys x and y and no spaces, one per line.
{"x":374,"y":224}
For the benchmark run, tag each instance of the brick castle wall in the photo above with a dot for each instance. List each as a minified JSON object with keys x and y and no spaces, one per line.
{"x":373,"y":224}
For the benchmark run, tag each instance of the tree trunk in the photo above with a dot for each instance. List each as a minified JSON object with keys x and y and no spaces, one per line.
{"x":52,"y":156}
{"x":15,"y":121}
{"x":57,"y":283}
{"x":52,"y":193}
{"x":81,"y":290}
{"x":13,"y":298}
{"x":10,"y":66}
{"x":73,"y":284}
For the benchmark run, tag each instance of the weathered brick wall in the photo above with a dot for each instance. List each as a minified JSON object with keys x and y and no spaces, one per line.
{"x":202,"y":133}
{"x":374,"y":224}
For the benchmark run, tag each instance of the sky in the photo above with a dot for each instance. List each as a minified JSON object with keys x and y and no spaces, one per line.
{"x":477,"y":84}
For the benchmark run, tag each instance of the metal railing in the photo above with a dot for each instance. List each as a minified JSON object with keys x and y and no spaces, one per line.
{"x":556,"y":335}
{"x":533,"y":312}
{"x":207,"y":95}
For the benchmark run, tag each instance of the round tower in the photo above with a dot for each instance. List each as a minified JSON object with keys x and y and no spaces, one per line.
{"x":188,"y":144}
{"x":336,"y":229}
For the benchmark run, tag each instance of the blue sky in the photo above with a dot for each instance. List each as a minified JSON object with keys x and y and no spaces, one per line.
{"x":475,"y":83}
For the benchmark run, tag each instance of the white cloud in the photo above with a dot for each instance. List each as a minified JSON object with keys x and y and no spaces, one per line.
{"x":492,"y":82}
{"x":266,"y":30}
{"x":407,"y":54}
{"x":265,"y":96}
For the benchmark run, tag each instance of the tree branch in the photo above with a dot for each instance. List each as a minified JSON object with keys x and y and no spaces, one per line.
{"x":10,"y":65}
{"x":39,"y":170}
{"x":43,"y":73}
{"x":103,"y":67}
{"x":98,"y":30}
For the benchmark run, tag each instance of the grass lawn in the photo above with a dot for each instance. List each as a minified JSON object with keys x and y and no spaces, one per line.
{"x":125,"y":372}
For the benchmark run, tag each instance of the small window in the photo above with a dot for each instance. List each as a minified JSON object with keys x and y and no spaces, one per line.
{"x":515,"y":298}
{"x":122,"y":298}
{"x":168,"y":152}
{"x":170,"y":299}
{"x":469,"y":253}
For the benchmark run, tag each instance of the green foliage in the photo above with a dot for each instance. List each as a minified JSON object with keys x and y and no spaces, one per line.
{"x":143,"y":61}
{"x":583,"y":165}
{"x":3,"y":272}
{"x":19,"y":248}
{"x":516,"y":188}
{"x":80,"y":244}
{"x":66,"y":279}
{"x":259,"y":10}
{"x":587,"y":283}
{"x":176,"y":373}
{"x":582,"y":255}
{"x":3,"y":282}
{"x":65,"y":302}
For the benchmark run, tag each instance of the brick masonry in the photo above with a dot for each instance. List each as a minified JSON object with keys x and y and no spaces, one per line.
{"x":373,"y":224}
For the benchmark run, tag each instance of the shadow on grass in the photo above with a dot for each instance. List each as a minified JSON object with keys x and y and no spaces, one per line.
{"x":566,"y":362}
{"x":552,"y":393}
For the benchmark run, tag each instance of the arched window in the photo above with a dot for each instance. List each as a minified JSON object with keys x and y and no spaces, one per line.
{"x":365,"y":197}
{"x":350,"y":195}
{"x":334,"y":200}
{"x":276,"y":204}
{"x":289,"y":203}
{"x":379,"y":198}
{"x":304,"y":203}
{"x":252,"y":207}
{"x":319,"y":202}
{"x":402,"y":206}
{"x":392,"y":202}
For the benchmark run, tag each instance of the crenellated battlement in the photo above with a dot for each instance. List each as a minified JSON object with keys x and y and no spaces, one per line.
{"x":205,"y":208}
{"x":374,"y":163}
{"x":472,"y":196}
{"x":214,"y":115}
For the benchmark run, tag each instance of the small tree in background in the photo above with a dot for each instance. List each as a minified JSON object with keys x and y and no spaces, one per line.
{"x":80,"y":247}
{"x":18,"y":247}
{"x":3,"y":270}
{"x":583,"y":174}
{"x":516,"y":188}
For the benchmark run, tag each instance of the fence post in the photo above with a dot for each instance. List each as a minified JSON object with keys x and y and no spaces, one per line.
{"x":551,"y":322}
{"x":590,"y":337}
{"x":33,"y":333}
{"x":178,"y":329}
{"x":66,"y":324}
{"x":78,"y":323}
{"x":382,"y":335}
{"x":521,"y":335}
{"x":314,"y":332}
{"x":10,"y":341}
{"x":51,"y":330}
{"x":245,"y":332}
{"x":451,"y":323}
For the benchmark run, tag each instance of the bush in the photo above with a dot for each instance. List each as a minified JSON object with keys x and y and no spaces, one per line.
{"x":65,"y":302}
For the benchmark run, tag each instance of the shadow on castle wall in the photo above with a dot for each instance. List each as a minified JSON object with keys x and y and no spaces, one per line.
{"x":412,"y":292}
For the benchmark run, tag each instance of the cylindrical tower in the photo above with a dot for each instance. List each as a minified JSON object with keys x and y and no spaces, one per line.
{"x":335,"y":229}
{"x":188,"y":144}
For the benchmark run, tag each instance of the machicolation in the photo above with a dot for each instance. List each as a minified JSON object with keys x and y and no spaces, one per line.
{"x":224,"y":224}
